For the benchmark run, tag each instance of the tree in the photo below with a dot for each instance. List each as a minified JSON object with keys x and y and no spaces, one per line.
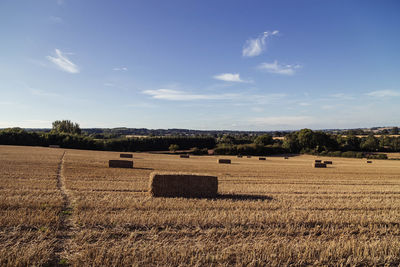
{"x":371,"y":143}
{"x":66,"y":126}
{"x":263,"y":140}
{"x":395,"y":130}
{"x":173,"y":147}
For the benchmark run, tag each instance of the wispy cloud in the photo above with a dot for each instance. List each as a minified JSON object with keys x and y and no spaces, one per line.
{"x":304,"y":104}
{"x":39,"y":92}
{"x":229,"y":77}
{"x":168,"y":94}
{"x":254,"y":47}
{"x":120,"y":69}
{"x":63,"y":62}
{"x":384,"y":93}
{"x":277,"y":68}
{"x":283,"y":121}
{"x":342,"y":96}
{"x":55,"y":19}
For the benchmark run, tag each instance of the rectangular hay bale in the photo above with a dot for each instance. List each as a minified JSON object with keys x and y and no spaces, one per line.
{"x":120,"y":163}
{"x":286,"y":157}
{"x":327,"y":161}
{"x":182,"y":185}
{"x":318,"y":161}
{"x":262,"y":158}
{"x":184,"y":156}
{"x":248,"y":157}
{"x":369,"y":161}
{"x":319,"y":165}
{"x":125,"y":155}
{"x":224,"y":161}
{"x":239,"y":156}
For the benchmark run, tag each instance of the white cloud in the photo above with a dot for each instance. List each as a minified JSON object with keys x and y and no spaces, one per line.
{"x":229,"y":77}
{"x":121,"y":69}
{"x":294,"y":121}
{"x":39,"y":92}
{"x":383,"y":93}
{"x":55,"y":19}
{"x":254,"y":47}
{"x":304,"y":104}
{"x":277,"y":68}
{"x":342,"y":96}
{"x":168,"y":94}
{"x":63,"y":62}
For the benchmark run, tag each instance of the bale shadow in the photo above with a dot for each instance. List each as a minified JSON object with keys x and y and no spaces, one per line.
{"x":143,"y":168}
{"x":241,"y":197}
{"x":233,"y":197}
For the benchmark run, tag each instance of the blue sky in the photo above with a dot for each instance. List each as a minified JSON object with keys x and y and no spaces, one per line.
{"x":239,"y":65}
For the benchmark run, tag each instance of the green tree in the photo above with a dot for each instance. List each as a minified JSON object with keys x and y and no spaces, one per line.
{"x":173,"y":147}
{"x":371,"y":143}
{"x":66,"y":126}
{"x":264,"y":140}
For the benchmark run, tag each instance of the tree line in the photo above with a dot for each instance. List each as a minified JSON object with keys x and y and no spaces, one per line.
{"x":69,"y":135}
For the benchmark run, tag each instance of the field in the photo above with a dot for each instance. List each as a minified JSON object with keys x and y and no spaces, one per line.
{"x":66,"y":207}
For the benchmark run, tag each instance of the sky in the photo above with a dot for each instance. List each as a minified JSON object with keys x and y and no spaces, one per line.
{"x":207,"y":65}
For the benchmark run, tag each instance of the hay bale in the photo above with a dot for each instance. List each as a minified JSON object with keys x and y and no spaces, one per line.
{"x":224,"y":161}
{"x":125,"y":155}
{"x":184,"y":156}
{"x":318,"y":161}
{"x":261,"y":158}
{"x":327,"y":161}
{"x":182,"y":185}
{"x":239,"y":156}
{"x":248,"y":157}
{"x":369,"y":161}
{"x":286,"y":157}
{"x":54,"y":146}
{"x":319,"y":165}
{"x":120,"y":164}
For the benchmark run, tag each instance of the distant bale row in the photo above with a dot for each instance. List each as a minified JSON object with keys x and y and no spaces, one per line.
{"x":224,"y":161}
{"x":120,"y":164}
{"x":54,"y":146}
{"x":125,"y":155}
{"x":184,"y":156}
{"x":182,"y":185}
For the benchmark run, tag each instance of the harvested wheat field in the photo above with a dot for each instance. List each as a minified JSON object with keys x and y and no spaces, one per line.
{"x":61,"y":206}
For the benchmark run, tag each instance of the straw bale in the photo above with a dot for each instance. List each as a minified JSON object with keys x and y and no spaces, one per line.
{"x":120,"y":164}
{"x":318,"y":161}
{"x":184,"y":156}
{"x":224,"y":161}
{"x":369,"y":161}
{"x":54,"y":146}
{"x":261,"y":158}
{"x":327,"y":161}
{"x":125,"y":155}
{"x":182,"y":185}
{"x":319,"y":165}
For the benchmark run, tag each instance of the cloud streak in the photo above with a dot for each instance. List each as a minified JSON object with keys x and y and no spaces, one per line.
{"x":62,"y":62}
{"x":254,"y":47}
{"x":168,"y":94}
{"x":121,"y":69}
{"x":384,"y":93}
{"x":229,"y":77}
{"x":282,"y":121}
{"x":277,"y":68}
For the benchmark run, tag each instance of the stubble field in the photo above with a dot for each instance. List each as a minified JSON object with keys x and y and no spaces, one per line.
{"x":66,"y":207}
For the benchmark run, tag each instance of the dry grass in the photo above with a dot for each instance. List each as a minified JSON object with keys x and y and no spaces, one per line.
{"x":281,"y":213}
